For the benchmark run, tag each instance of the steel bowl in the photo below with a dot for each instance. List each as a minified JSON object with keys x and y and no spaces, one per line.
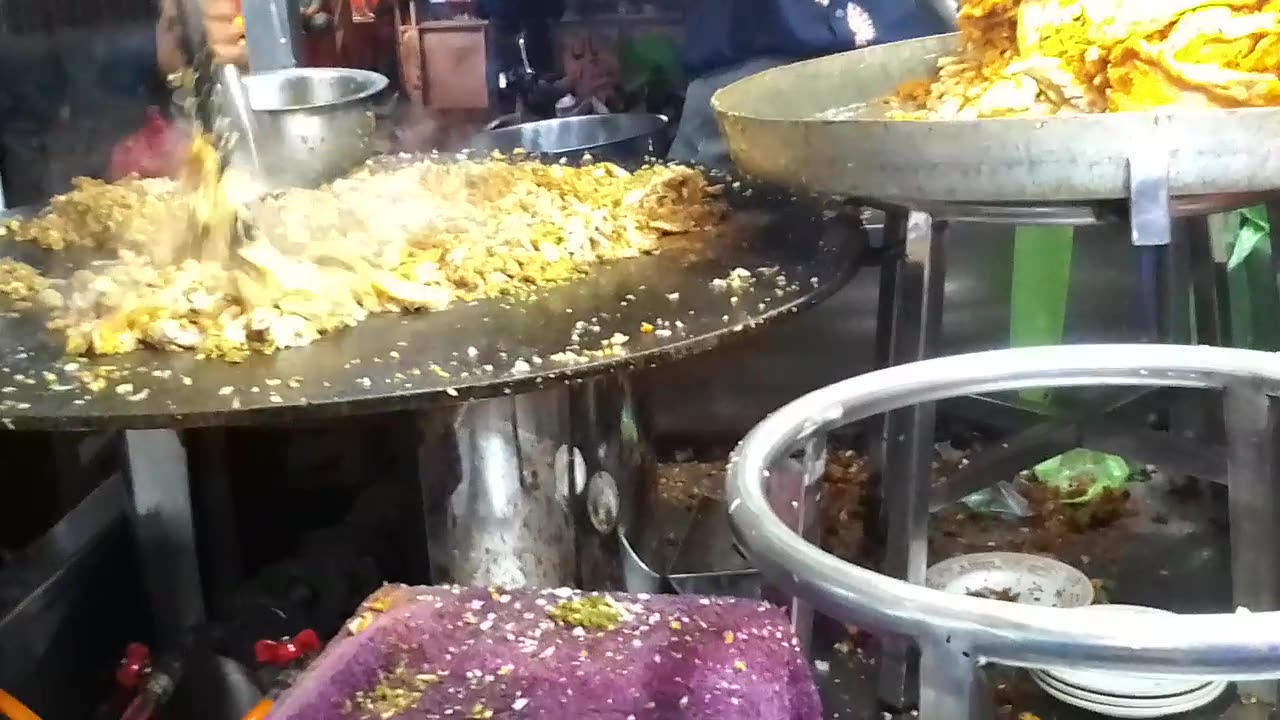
{"x":622,"y":138}
{"x":312,"y":124}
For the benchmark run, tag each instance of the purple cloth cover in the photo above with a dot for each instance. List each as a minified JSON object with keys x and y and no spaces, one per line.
{"x":448,"y":652}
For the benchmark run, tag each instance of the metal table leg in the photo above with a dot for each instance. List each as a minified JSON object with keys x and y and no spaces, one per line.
{"x":547,"y":483}
{"x":1273,"y":218}
{"x":510,"y":516}
{"x":908,"y":434}
{"x":814,"y":463}
{"x":619,"y":544}
{"x":164,"y":529}
{"x":1253,"y":434}
{"x":952,"y":686}
{"x":1195,"y":312}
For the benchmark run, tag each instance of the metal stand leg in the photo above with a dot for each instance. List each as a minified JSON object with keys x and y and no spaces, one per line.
{"x":547,"y":484}
{"x":1254,"y":507}
{"x":165,"y":533}
{"x":619,"y":544}
{"x":1273,"y":218}
{"x":952,"y":686}
{"x":1162,"y":279}
{"x":1195,"y":417}
{"x":1211,"y":300}
{"x":510,"y":517}
{"x":908,"y":440}
{"x":814,"y":462}
{"x":213,"y":515}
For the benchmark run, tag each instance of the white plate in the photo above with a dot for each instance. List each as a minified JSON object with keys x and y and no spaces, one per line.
{"x":1124,"y":685}
{"x":1034,"y":579}
{"x":1185,"y":704}
{"x":1131,"y":702}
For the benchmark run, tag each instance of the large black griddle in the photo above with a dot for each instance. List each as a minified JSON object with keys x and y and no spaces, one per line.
{"x":471,"y":351}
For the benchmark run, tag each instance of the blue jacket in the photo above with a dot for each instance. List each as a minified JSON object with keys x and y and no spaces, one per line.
{"x":723,"y":33}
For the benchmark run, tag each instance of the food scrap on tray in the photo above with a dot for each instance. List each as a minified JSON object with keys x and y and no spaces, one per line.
{"x":1040,"y":58}
{"x":388,"y":238}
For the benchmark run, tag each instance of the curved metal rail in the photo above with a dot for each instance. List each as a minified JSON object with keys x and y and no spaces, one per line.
{"x":957,"y":633}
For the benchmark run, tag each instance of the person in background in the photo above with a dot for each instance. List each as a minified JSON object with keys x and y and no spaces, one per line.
{"x":534,"y":18}
{"x":224,"y":31}
{"x":67,"y":97}
{"x":508,"y":19}
{"x":727,"y":40}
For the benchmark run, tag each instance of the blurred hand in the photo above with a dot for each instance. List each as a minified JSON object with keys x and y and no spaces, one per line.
{"x":169,"y":55}
{"x":224,"y":27}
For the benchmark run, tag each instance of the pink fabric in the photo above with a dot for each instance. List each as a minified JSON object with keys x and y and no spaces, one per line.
{"x":154,"y":151}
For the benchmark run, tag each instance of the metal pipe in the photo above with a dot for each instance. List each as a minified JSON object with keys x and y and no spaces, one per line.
{"x":1237,"y":646}
{"x":273,"y":34}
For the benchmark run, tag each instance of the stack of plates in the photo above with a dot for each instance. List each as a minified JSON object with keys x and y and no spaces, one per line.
{"x":1127,"y":695}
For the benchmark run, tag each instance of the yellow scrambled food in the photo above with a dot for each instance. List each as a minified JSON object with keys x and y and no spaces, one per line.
{"x":419,"y":236}
{"x":1043,"y":58}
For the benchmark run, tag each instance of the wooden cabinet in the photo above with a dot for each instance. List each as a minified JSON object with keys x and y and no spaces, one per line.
{"x":442,"y":62}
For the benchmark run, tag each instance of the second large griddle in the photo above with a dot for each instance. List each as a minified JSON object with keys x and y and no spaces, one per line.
{"x":771,"y":122}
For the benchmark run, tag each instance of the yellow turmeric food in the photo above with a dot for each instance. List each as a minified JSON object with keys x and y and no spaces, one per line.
{"x":1041,"y":58}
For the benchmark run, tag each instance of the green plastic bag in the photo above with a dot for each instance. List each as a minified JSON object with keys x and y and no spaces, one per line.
{"x":1074,"y":469}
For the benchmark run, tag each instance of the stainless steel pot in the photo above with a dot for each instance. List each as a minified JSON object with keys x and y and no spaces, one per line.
{"x":313,"y":124}
{"x":624,"y":137}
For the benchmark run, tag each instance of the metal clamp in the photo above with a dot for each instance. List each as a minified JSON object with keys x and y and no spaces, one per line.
{"x":1150,"y":214}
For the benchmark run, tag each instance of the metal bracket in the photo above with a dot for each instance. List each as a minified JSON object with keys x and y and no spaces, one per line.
{"x":1150,"y":217}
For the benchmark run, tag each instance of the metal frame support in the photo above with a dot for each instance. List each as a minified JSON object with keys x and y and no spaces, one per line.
{"x":952,"y":685}
{"x":1253,"y":499}
{"x":549,"y":486}
{"x":1177,"y":269}
{"x":907,"y":439}
{"x":165,"y":530}
{"x":955,"y":633}
{"x":612,"y":460}
{"x":510,"y":521}
{"x":814,"y":464}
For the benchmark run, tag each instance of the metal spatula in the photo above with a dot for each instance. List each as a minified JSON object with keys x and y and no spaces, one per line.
{"x":236,"y":108}
{"x":219,"y":227}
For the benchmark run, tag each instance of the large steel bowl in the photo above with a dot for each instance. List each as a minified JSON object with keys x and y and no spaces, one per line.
{"x":624,"y":137}
{"x":313,"y":124}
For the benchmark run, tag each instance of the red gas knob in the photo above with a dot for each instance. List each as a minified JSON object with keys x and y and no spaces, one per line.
{"x":288,"y":650}
{"x":134,"y":666}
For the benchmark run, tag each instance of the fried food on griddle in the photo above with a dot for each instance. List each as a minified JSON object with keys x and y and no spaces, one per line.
{"x":418,"y":237}
{"x":96,"y":214}
{"x":990,"y":26}
{"x":1041,"y":58}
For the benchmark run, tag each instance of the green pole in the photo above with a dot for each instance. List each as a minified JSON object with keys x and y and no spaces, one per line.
{"x":1041,"y":284}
